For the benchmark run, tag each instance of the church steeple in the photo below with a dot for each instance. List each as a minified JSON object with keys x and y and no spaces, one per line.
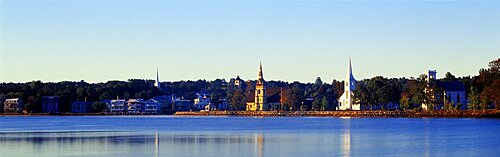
{"x":349,"y":78}
{"x":157,"y":82}
{"x":260,"y":80}
{"x":346,"y":101}
{"x":260,"y":92}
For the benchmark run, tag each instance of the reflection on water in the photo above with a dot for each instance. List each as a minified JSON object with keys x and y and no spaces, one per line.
{"x":156,"y":144}
{"x":346,"y":138}
{"x":259,"y":142}
{"x":252,"y":137}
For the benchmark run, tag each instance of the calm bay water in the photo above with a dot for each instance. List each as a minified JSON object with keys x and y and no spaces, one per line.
{"x":152,"y":136}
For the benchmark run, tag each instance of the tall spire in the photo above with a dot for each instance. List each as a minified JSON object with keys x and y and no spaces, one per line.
{"x":261,"y":76}
{"x":260,"y":80}
{"x":350,"y":66}
{"x":349,"y":75}
{"x":157,"y":78}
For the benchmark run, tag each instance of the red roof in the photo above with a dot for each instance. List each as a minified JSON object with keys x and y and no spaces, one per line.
{"x":273,"y":94}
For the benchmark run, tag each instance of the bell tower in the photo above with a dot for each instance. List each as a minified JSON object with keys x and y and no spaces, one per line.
{"x":260,"y":91}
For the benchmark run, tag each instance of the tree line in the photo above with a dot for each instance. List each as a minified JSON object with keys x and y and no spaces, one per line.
{"x":377,"y":93}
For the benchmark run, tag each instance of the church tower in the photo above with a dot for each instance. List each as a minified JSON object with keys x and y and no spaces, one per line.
{"x":346,"y":101}
{"x":260,"y":91}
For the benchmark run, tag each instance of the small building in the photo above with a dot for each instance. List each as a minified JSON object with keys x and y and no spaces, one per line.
{"x":135,"y":106}
{"x":50,"y":104}
{"x":81,"y":107}
{"x":238,"y":82}
{"x":118,"y":106}
{"x":152,"y":106}
{"x":210,"y":107}
{"x":201,"y":100}
{"x":182,"y":105}
{"x":13,"y":105}
{"x":453,"y":93}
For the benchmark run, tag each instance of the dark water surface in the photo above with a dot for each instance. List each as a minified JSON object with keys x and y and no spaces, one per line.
{"x":151,"y":136}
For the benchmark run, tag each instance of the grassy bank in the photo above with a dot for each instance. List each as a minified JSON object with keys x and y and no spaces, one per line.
{"x":413,"y":114}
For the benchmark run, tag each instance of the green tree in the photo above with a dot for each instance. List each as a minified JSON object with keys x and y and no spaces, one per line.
{"x":317,"y":105}
{"x":98,"y":107}
{"x":450,"y":77}
{"x":473,"y":99}
{"x":324,"y":102}
{"x":404,"y":102}
{"x":237,"y":100}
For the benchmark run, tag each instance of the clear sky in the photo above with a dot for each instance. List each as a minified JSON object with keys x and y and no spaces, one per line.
{"x":101,"y":40}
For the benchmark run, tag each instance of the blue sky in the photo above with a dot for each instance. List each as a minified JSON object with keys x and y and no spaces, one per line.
{"x":106,"y":40}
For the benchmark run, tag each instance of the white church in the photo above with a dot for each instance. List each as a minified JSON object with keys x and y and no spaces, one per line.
{"x":346,"y":101}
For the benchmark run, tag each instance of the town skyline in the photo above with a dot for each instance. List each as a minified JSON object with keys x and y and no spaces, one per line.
{"x":157,"y":75}
{"x":107,"y":40}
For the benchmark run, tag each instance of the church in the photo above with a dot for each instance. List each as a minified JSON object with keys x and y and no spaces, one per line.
{"x":346,"y":101}
{"x":263,"y":98}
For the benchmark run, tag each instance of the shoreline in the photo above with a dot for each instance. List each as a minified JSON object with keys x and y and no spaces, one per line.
{"x":372,"y":114}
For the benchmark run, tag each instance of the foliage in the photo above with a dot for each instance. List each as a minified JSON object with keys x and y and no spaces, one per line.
{"x":98,"y":107}
{"x":473,"y":99}
{"x":373,"y":94}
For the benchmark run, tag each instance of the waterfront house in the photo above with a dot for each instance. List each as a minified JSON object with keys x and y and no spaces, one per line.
{"x":50,"y":104}
{"x":182,"y":105}
{"x":152,"y":106}
{"x":118,"y":106}
{"x":135,"y":106}
{"x":202,"y":99}
{"x":13,"y":105}
{"x":81,"y":107}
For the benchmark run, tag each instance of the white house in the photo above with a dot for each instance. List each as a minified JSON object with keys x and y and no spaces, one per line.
{"x":346,"y":101}
{"x":13,"y":105}
{"x":152,"y":106}
{"x":118,"y":106}
{"x":135,"y":106}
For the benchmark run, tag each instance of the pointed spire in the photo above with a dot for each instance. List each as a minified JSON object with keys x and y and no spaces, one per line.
{"x":261,"y":75}
{"x":260,"y":80}
{"x":350,"y":66}
{"x":349,"y":76}
{"x":157,"y":78}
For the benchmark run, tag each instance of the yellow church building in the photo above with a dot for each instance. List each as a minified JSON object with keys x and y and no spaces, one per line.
{"x":263,"y":98}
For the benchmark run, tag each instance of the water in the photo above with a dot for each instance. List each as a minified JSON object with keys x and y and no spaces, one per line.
{"x":153,"y":136}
